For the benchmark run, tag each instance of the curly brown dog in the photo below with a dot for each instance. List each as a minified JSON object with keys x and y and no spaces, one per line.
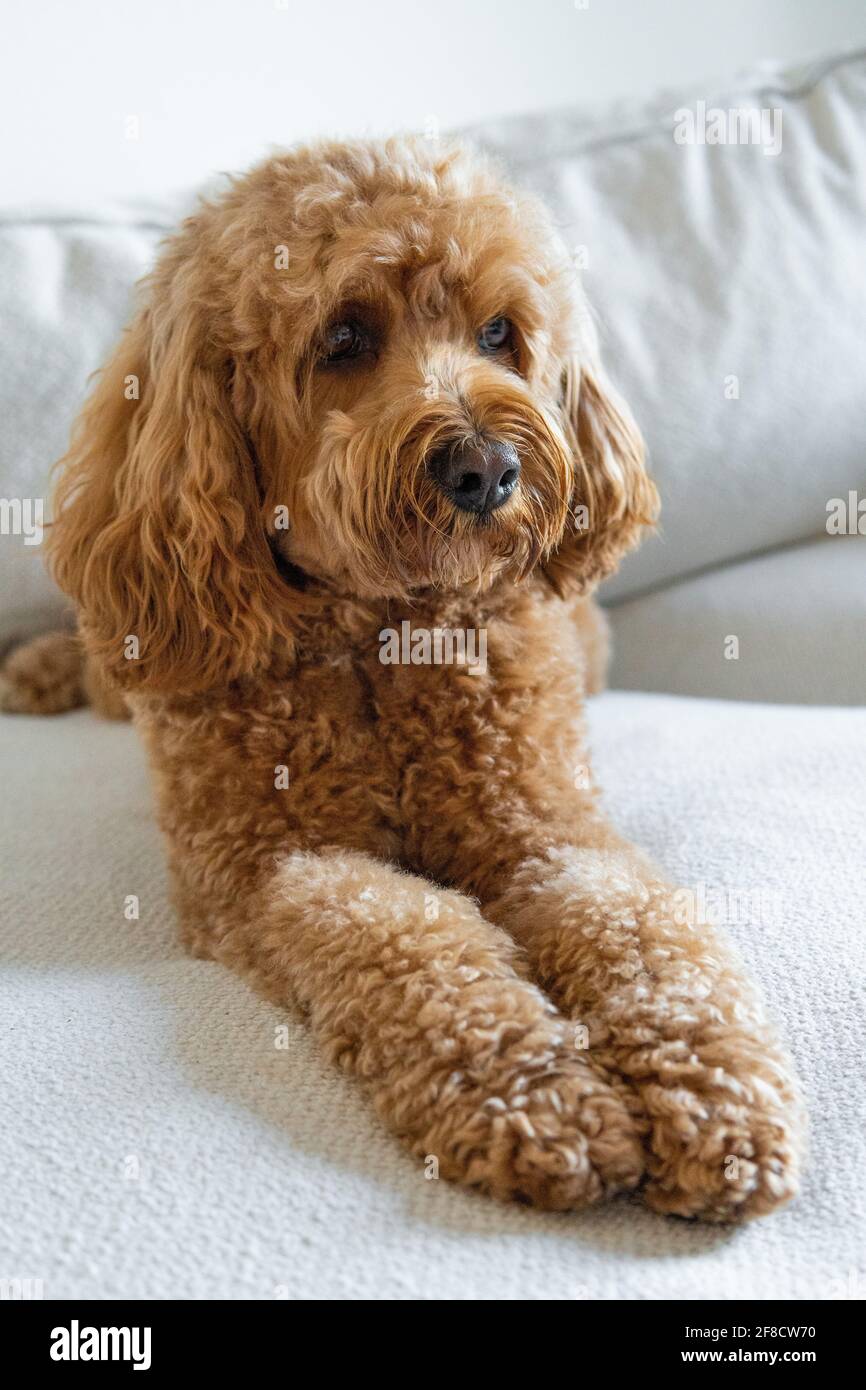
{"x":331,"y":517}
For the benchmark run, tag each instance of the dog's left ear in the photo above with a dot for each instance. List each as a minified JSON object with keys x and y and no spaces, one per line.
{"x":614,"y":497}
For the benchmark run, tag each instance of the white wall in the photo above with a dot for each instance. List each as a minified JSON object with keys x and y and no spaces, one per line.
{"x":214,"y":83}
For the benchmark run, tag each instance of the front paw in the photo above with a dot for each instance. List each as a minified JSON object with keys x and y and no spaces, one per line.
{"x":670,"y":1013}
{"x":525,"y":1117}
{"x":726,"y":1130}
{"x":560,"y":1141}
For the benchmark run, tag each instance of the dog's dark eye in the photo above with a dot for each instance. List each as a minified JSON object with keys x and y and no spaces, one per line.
{"x":343,"y":341}
{"x":495,"y":335}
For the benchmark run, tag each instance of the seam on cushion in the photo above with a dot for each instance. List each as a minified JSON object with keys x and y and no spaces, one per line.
{"x":84,"y":220}
{"x":659,"y":586}
{"x":821,"y":68}
{"x":660,"y":124}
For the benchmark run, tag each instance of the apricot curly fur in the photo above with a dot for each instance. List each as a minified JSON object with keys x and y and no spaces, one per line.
{"x":413,"y":852}
{"x":44,"y":676}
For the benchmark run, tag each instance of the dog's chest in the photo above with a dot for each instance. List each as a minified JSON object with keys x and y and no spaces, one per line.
{"x":379,"y":732}
{"x":364,"y":743}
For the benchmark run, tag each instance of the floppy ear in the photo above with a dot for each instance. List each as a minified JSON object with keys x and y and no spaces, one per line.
{"x":614,"y":498}
{"x":158,"y":533}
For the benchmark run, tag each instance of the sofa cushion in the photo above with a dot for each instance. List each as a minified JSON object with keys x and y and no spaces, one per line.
{"x":730,"y":289}
{"x":157,"y":1143}
{"x":65,"y":293}
{"x":798,"y":615}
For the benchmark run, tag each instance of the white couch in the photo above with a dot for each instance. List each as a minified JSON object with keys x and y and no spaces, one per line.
{"x":157,"y":1143}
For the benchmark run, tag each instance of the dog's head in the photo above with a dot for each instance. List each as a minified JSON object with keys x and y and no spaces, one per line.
{"x":366,"y":364}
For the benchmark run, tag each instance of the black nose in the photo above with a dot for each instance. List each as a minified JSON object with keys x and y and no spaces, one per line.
{"x":479,"y":475}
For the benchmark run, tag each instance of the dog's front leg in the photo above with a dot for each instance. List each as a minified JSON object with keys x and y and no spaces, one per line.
{"x":409,"y":987}
{"x":666,"y":1007}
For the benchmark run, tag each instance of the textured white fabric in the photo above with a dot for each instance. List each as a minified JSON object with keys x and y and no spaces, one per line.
{"x":263,"y":1173}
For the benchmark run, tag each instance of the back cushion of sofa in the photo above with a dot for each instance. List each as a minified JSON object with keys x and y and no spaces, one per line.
{"x":729,"y":282}
{"x":65,"y":292}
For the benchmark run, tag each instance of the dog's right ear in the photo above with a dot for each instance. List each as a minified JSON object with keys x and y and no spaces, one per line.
{"x":158,"y":533}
